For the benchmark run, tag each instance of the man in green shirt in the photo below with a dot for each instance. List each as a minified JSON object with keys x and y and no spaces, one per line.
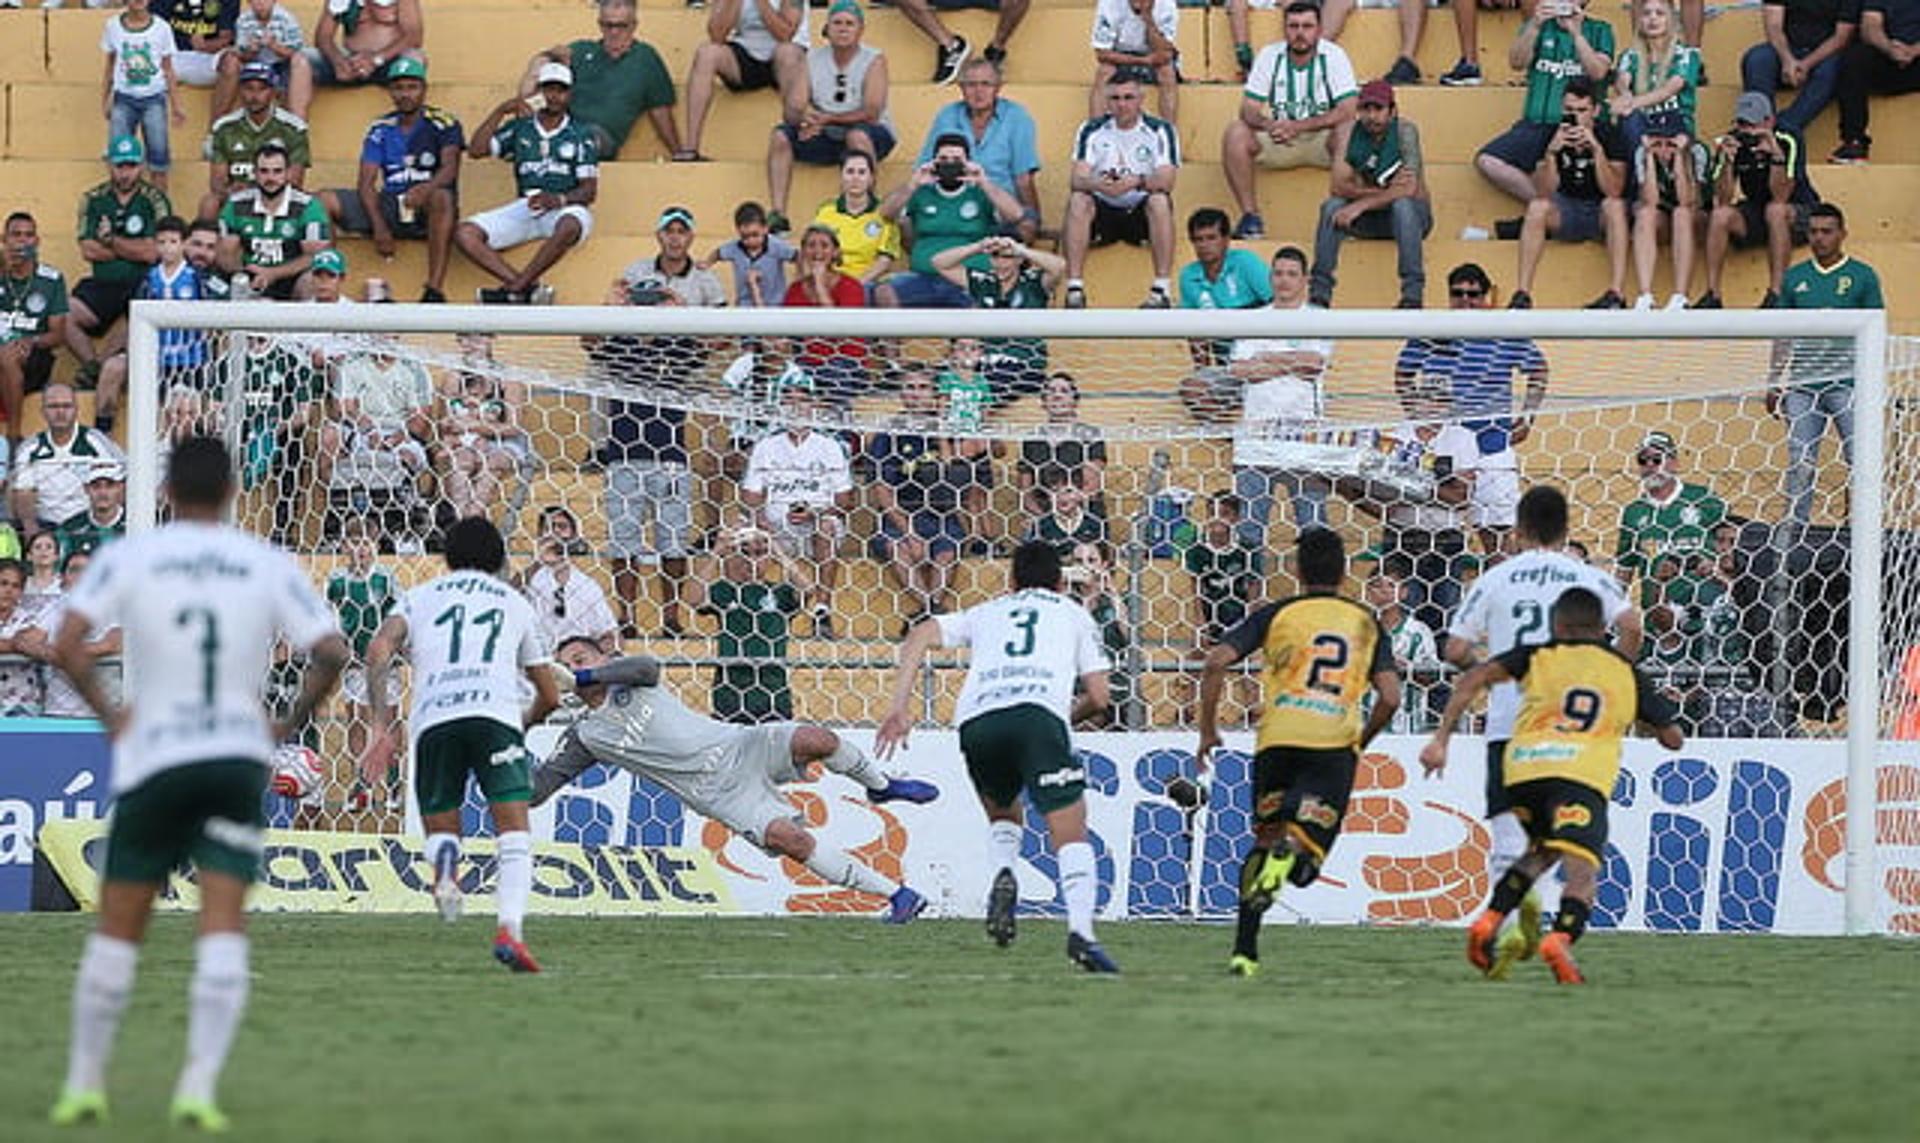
{"x":1551,"y":51}
{"x":948,"y":202}
{"x":270,"y":231}
{"x":1379,"y":190}
{"x":1812,"y":378}
{"x":117,"y":220}
{"x":1669,"y":517}
{"x":237,"y":136}
{"x":105,"y":519}
{"x":750,"y":681}
{"x":33,"y":318}
{"x":617,"y":79}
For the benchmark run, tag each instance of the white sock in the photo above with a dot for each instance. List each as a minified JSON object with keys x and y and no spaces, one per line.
{"x":1078,"y":886}
{"x":1073,"y":282}
{"x":435,"y":842}
{"x":840,"y":868}
{"x":217,"y":999}
{"x":1003,"y":845}
{"x":100,"y":992}
{"x":1509,"y":845}
{"x":1163,"y":285}
{"x":515,"y":882}
{"x":852,"y":761}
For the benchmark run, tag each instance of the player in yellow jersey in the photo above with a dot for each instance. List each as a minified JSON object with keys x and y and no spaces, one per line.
{"x":1321,"y":653}
{"x":1578,"y":698}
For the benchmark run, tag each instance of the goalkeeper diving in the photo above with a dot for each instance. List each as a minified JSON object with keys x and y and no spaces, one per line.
{"x":724,"y":771}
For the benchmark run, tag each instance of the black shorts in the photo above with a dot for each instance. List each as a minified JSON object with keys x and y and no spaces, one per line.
{"x":958,"y":5}
{"x":1562,"y":815}
{"x":754,"y":74}
{"x":1497,"y":801}
{"x":39,"y":368}
{"x":1305,"y":791}
{"x":354,"y":220}
{"x":1522,"y":145}
{"x":107,"y":300}
{"x":1118,"y":223}
{"x":1754,"y":214}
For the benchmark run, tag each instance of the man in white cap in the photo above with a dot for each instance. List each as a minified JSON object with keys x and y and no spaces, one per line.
{"x":357,"y":41}
{"x":105,"y":518}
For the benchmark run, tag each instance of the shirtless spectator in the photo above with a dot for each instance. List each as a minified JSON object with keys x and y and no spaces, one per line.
{"x":357,"y":44}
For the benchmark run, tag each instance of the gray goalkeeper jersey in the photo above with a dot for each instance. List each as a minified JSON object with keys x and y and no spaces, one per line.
{"x":642,"y":727}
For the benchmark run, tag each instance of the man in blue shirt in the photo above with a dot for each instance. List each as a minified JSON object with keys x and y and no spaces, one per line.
{"x":1221,"y":277}
{"x":409,"y":176}
{"x":1001,"y":134}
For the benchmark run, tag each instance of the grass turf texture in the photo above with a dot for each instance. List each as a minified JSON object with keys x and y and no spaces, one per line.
{"x":365,"y":1028}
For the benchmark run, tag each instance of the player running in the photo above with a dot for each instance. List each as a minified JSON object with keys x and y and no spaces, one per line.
{"x":1508,"y":607}
{"x":1029,"y":649}
{"x":202,"y":605}
{"x":725,"y":771}
{"x":1321,"y":653}
{"x":469,"y":638}
{"x":1579,"y":696}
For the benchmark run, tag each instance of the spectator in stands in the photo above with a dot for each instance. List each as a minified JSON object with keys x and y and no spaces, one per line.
{"x":1066,"y":521}
{"x":1088,"y":578}
{"x":137,"y":95}
{"x":357,"y":41}
{"x":1379,"y":190}
{"x":1275,"y":381}
{"x":1413,"y":17}
{"x":286,"y":402}
{"x":1017,"y":277}
{"x":1138,"y":38}
{"x":202,"y":33}
{"x":1670,"y":167}
{"x":1221,"y":276}
{"x":835,"y":103}
{"x":1813,"y":382}
{"x":237,"y":136}
{"x":618,"y":79}
{"x":1065,"y":443}
{"x":1001,"y":135}
{"x":1668,"y":517}
{"x":567,"y":602}
{"x":382,"y":408}
{"x":266,"y":33}
{"x":1472,"y":381}
{"x":1295,"y":111}
{"x":952,"y":50}
{"x":966,"y":386}
{"x":105,"y":517}
{"x":409,"y":184}
{"x":118,"y":222}
{"x":838,"y":365}
{"x":920,"y":477}
{"x":1424,"y":542}
{"x":1414,"y":648}
{"x":1879,"y":63}
{"x":363,"y":593}
{"x":270,"y":232}
{"x":750,"y":682}
{"x":1805,"y":47}
{"x":948,"y":202}
{"x":42,"y":557}
{"x":558,"y":522}
{"x":1551,"y":49}
{"x":758,"y":258}
{"x":33,"y":320}
{"x":36,"y":642}
{"x":800,"y":484}
{"x":1580,"y":190}
{"x":869,"y":241}
{"x":1761,"y":195}
{"x":556,"y":174}
{"x":1124,"y":166}
{"x":1658,"y":74}
{"x":21,"y":692}
{"x":484,"y":447}
{"x":1225,"y":569}
{"x":751,"y":45}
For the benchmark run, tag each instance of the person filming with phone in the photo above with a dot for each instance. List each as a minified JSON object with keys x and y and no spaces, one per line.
{"x":1579,"y":194}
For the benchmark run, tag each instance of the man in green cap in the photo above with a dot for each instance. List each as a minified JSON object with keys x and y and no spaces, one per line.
{"x":1669,"y":517}
{"x":234,"y":138}
{"x":117,"y":221}
{"x":328,"y":277}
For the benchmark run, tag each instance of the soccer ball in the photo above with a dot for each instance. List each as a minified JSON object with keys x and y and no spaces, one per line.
{"x":297,"y":772}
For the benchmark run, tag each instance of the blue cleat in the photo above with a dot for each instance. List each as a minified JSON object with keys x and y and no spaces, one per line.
{"x":1089,"y":955}
{"x":904,"y":906}
{"x":904,"y":790}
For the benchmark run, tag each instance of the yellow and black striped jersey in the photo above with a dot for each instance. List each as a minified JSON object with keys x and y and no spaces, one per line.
{"x":1577,"y":701}
{"x":1320,"y":655}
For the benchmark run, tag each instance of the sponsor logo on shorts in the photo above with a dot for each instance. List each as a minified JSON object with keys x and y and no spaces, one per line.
{"x":234,"y":835}
{"x":1571,"y":817}
{"x":507,"y":756}
{"x":1065,"y":776}
{"x":1269,"y":804}
{"x":1317,"y":812}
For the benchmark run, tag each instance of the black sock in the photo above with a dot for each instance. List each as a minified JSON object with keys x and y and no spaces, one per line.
{"x":1572,"y":917}
{"x":103,"y":422}
{"x":1246,"y":939}
{"x":1507,"y":894}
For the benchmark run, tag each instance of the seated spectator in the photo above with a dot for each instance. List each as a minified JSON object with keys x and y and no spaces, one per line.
{"x":1580,"y":195}
{"x":357,"y":41}
{"x":1878,"y":63}
{"x":202,"y":33}
{"x":1063,"y":442}
{"x":556,"y":174}
{"x":1124,"y":166}
{"x":617,"y":79}
{"x":1668,"y":517}
{"x":558,"y":522}
{"x":946,"y":203}
{"x":1226,"y":570}
{"x":1761,"y":195}
{"x":33,"y":321}
{"x":1221,"y":276}
{"x":751,"y":45}
{"x":952,"y":50}
{"x":1139,"y":38}
{"x":965,"y":386}
{"x":1658,"y":74}
{"x":1066,"y":521}
{"x":270,"y":232}
{"x":266,"y":33}
{"x":1670,"y":167}
{"x":382,"y":405}
{"x":484,"y":446}
{"x":839,"y":365}
{"x":869,"y":241}
{"x":1379,"y":189}
{"x":1416,"y":653}
{"x":36,"y":642}
{"x":836,"y":102}
{"x":567,"y":602}
{"x":1413,"y":18}
{"x":921,"y":478}
{"x":1295,"y":111}
{"x":21,"y":691}
{"x":1000,"y":134}
{"x":236,"y":137}
{"x":118,"y":224}
{"x":1088,"y":578}
{"x":1551,"y":50}
{"x":1805,"y":49}
{"x":758,"y":259}
{"x":753,"y":608}
{"x":1017,"y":277}
{"x":105,"y":518}
{"x":800,"y":484}
{"x":42,"y":559}
{"x":409,"y":185}
{"x":139,"y":82}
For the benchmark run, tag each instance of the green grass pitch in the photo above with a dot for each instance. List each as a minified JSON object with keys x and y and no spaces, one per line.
{"x":384,"y":1028}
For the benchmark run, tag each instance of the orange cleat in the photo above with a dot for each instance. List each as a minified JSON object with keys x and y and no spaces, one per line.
{"x":1557,"y":950}
{"x":513,"y":953}
{"x":1483,"y":939}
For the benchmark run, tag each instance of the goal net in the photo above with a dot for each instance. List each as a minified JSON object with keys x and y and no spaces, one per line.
{"x":764,"y":500}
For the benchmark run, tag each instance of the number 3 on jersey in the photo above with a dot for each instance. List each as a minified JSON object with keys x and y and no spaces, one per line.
{"x":1024,"y":618}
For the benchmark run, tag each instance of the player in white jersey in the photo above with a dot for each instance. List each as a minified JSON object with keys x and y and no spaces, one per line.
{"x":1511,"y":606}
{"x":470,"y":639}
{"x":724,"y":771}
{"x":202,"y":605}
{"x":1030,"y":650}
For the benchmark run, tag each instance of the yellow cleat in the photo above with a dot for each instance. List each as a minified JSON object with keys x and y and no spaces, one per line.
{"x":75,"y":1108}
{"x":1263,"y":885}
{"x":1511,"y":947}
{"x":1243,"y":966}
{"x":1528,"y":926}
{"x":200,"y":1114}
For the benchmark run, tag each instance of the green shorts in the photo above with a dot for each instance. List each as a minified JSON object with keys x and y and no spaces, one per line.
{"x":208,"y":813}
{"x":1022,"y":746}
{"x":495,"y":753}
{"x":1562,"y":815}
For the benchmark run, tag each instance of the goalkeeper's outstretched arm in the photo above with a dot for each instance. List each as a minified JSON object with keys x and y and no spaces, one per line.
{"x":567,"y":762}
{"x":631,"y":671}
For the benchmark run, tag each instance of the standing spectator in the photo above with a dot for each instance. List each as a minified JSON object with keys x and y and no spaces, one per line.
{"x":1670,"y":166}
{"x":1221,"y":276}
{"x":556,"y":175}
{"x":33,"y":322}
{"x":1415,"y":650}
{"x":750,"y":680}
{"x":1805,"y":48}
{"x":1424,"y":542}
{"x":357,"y":41}
{"x":1138,"y":38}
{"x":21,"y":691}
{"x":869,"y":241}
{"x":270,"y":232}
{"x":1124,"y":166}
{"x":1668,"y":517}
{"x":409,"y":185}
{"x":1066,"y":521}
{"x":1064,"y":443}
{"x":758,"y":259}
{"x":1379,"y":190}
{"x":1017,"y":277}
{"x":1580,"y":194}
{"x":800,"y":483}
{"x":137,"y":91}
{"x":119,"y":221}
{"x":835,"y":103}
{"x":952,"y":50}
{"x":751,"y":45}
{"x":1551,"y":49}
{"x":946,"y":203}
{"x":568,"y":603}
{"x":236,"y":137}
{"x":266,"y":33}
{"x":105,"y":517}
{"x":919,"y":480}
{"x":1812,"y":380}
{"x":1087,"y":577}
{"x":36,"y":642}
{"x":1658,"y":74}
{"x":202,"y":33}
{"x":618,"y":78}
{"x":1879,"y":63}
{"x":42,"y":587}
{"x":839,"y":365}
{"x":1295,"y":111}
{"x":363,"y":593}
{"x":1225,"y":570}
{"x":484,"y":446}
{"x":1276,"y":381}
{"x":1000,"y":134}
{"x":1761,"y":194}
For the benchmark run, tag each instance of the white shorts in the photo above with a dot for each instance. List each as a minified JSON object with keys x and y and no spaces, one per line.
{"x":515,"y":223}
{"x":1496,"y":490}
{"x":197,"y":69}
{"x":353,"y":686}
{"x":742,"y":789}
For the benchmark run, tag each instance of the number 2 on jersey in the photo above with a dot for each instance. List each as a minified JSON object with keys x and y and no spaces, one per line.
{"x":1333,"y":655}
{"x":456,"y":617}
{"x":1024,"y":618}
{"x":1530,"y":622}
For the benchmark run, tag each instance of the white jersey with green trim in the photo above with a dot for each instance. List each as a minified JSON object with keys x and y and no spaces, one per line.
{"x":471,"y":638}
{"x":1029,"y":648}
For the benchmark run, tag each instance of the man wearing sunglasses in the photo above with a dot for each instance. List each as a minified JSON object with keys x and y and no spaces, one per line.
{"x":567,"y":602}
{"x":1669,"y":517}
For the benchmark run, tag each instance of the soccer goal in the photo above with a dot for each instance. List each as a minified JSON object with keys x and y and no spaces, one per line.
{"x":764,"y":499}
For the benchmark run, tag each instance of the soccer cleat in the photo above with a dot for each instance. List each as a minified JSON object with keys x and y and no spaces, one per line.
{"x":1002,"y":900}
{"x":1089,"y":955}
{"x":446,"y":885}
{"x":1557,"y":950}
{"x":1482,"y":936}
{"x":946,"y":67}
{"x":75,"y":1108}
{"x":1264,"y":885}
{"x":904,"y":790}
{"x":904,"y":906}
{"x":1464,"y":74}
{"x":199,"y":1114}
{"x":1528,"y":925}
{"x":1251,"y":225}
{"x":1239,"y":965}
{"x":1507,"y":951}
{"x":512,"y":952}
